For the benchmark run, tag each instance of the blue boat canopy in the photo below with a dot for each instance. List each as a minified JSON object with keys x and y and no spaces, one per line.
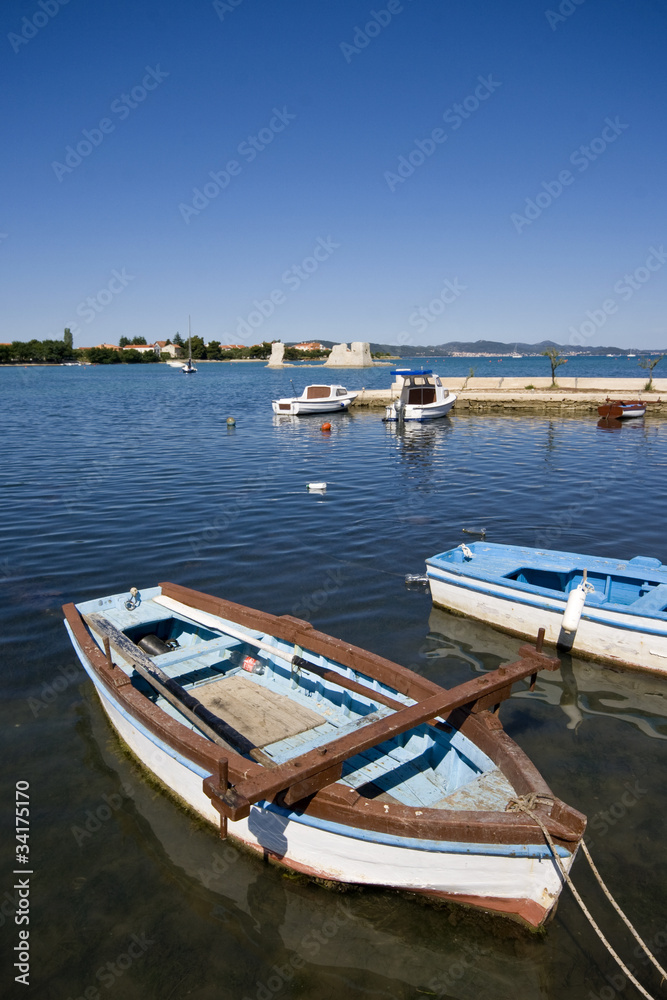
{"x":408,"y":371}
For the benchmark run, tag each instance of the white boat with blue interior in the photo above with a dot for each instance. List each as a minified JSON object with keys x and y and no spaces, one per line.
{"x":327,"y":758}
{"x":607,"y":609}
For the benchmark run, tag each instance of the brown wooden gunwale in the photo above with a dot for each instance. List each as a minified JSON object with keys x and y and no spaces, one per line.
{"x":334,"y":802}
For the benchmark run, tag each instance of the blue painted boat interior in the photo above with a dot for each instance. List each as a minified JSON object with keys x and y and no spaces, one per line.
{"x":635,"y":586}
{"x":435,"y":768}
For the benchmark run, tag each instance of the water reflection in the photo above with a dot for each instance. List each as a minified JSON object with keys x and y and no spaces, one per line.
{"x":277,"y":928}
{"x":609,"y":424}
{"x":581,"y":689}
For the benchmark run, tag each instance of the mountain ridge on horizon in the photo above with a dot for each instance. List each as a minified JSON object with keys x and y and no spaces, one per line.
{"x":482,"y":347}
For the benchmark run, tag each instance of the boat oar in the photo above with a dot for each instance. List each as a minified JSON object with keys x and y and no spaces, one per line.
{"x":212,"y":725}
{"x":210,"y":621}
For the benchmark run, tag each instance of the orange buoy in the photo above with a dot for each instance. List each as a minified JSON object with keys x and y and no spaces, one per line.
{"x":325,"y":427}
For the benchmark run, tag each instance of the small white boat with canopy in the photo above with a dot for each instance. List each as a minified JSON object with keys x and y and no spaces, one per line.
{"x":422,"y":396}
{"x":316,"y":399}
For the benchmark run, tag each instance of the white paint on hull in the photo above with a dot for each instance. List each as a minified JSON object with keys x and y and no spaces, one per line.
{"x":602,"y":639}
{"x":429,"y":412}
{"x":342,"y":858}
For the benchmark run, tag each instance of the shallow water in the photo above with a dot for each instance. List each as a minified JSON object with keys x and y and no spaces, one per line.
{"x":114,"y":477}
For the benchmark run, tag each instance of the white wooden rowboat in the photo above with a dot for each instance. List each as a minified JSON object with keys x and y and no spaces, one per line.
{"x":619,"y":605}
{"x":324,"y":757}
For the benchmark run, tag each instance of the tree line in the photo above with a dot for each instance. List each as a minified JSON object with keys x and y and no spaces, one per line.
{"x":61,"y":351}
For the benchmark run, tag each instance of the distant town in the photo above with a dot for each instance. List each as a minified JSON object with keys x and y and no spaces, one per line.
{"x":138,"y":350}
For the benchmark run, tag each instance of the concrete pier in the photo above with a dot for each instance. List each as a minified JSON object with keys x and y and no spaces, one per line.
{"x":571,"y":397}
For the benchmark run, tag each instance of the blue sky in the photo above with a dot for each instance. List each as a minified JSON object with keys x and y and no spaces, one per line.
{"x":409,"y":171}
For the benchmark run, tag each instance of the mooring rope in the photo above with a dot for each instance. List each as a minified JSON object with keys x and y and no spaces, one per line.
{"x":527,"y":804}
{"x":620,"y":912}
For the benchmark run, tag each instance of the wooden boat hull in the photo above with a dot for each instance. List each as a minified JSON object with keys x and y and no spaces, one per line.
{"x":616,"y":636}
{"x":498,"y":862}
{"x":622,"y":411}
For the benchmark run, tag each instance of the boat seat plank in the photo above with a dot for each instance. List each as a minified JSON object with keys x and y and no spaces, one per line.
{"x":654,"y":602}
{"x":322,"y":737}
{"x":409,"y":780}
{"x":167,"y":661}
{"x":488,"y":792}
{"x":263,"y":716}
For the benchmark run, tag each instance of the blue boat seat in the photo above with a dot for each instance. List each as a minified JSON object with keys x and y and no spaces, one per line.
{"x":652,"y":603}
{"x":167,"y":660}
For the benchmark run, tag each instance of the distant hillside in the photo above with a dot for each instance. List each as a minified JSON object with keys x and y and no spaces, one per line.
{"x":494,"y":347}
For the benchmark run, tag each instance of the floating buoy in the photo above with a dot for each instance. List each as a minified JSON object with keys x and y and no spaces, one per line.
{"x":317,"y":487}
{"x":325,"y":427}
{"x":231,"y":422}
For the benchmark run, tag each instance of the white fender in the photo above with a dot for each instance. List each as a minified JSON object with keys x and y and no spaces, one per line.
{"x":575,"y":606}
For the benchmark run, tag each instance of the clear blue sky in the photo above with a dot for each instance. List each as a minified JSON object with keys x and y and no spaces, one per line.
{"x":317,"y":103}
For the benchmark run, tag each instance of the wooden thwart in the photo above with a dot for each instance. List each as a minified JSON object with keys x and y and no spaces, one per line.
{"x":213,"y":726}
{"x":235,"y":802}
{"x":262,"y":715}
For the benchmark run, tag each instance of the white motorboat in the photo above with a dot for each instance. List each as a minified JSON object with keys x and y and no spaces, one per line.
{"x":423,"y":397}
{"x":316,"y":399}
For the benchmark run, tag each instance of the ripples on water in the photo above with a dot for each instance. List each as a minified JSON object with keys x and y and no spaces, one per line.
{"x":114,"y":477}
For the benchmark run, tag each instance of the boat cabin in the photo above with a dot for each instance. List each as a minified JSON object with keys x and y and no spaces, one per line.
{"x":419,"y":387}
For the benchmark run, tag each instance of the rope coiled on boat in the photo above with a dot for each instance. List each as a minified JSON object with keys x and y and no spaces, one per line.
{"x":527,"y":804}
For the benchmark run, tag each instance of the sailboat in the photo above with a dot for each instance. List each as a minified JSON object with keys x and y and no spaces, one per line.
{"x":189,"y":369}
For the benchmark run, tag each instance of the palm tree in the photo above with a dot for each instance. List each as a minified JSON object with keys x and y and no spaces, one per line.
{"x":554,"y":357}
{"x":649,"y":364}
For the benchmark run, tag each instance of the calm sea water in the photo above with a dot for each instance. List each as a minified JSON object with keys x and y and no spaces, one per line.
{"x":122,"y":476}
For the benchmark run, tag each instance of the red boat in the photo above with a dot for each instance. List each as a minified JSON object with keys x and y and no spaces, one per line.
{"x":619,"y":410}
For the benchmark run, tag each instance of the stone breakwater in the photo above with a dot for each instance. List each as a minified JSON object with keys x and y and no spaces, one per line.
{"x":571,"y":396}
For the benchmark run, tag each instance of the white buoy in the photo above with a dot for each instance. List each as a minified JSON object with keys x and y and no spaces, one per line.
{"x":575,"y":606}
{"x":317,"y":487}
